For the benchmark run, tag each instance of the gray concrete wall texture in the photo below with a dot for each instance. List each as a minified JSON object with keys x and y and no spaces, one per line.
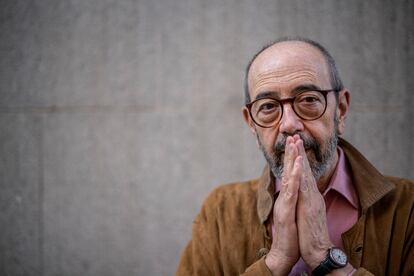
{"x":118,"y":117}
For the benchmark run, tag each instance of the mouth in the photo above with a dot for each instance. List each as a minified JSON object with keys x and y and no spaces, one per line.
{"x":306,"y":149}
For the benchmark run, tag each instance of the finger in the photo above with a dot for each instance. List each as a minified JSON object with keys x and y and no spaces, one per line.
{"x":296,"y":176}
{"x":284,"y":212}
{"x":302,"y":152}
{"x":296,"y":137}
{"x":308,"y":182}
{"x":288,"y":199}
{"x":287,"y":161}
{"x":290,"y":173}
{"x":292,"y":154}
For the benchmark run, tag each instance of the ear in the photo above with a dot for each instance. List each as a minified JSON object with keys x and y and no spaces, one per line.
{"x":250,"y":123}
{"x":248,"y":120}
{"x":344,"y":98}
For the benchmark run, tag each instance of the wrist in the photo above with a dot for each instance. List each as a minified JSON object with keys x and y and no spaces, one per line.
{"x":277,"y":264}
{"x":335,"y":263}
{"x":348,"y":270}
{"x":316,"y":258}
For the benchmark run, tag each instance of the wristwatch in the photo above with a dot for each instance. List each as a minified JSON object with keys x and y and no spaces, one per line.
{"x":336,"y":258}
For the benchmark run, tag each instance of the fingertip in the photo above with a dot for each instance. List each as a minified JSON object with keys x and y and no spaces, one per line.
{"x":300,"y":146}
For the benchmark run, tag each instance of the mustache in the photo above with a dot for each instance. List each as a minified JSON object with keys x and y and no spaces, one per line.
{"x":308,"y":143}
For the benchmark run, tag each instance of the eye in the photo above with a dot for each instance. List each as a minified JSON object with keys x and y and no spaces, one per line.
{"x":309,"y":99}
{"x":267,"y":107}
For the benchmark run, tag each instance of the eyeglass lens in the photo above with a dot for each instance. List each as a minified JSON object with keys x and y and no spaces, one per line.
{"x":307,"y":105}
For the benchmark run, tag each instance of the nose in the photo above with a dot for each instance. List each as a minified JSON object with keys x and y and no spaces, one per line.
{"x":290,"y":123}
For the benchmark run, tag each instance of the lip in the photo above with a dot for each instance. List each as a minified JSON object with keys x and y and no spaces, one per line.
{"x":306,"y":149}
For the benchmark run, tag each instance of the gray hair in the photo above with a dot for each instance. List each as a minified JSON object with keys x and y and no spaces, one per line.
{"x":336,"y":81}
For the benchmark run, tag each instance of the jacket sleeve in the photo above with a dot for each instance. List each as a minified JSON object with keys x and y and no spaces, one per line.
{"x":362,"y":272}
{"x":408,"y":252}
{"x":201,"y":255}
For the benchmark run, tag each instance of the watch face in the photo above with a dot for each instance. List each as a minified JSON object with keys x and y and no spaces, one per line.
{"x":339,"y":257}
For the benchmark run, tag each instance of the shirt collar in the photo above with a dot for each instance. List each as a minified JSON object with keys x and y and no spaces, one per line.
{"x":341,"y":181}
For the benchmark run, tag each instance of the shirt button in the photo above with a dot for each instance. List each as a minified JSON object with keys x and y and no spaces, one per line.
{"x":262,"y":252}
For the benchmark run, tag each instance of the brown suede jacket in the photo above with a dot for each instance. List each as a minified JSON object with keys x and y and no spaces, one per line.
{"x":231,"y":232}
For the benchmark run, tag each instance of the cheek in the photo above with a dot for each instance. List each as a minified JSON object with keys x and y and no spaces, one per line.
{"x":321,"y":130}
{"x":268,"y":138}
{"x":326,"y":123}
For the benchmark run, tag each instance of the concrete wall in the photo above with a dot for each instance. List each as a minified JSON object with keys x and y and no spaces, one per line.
{"x":118,"y":117}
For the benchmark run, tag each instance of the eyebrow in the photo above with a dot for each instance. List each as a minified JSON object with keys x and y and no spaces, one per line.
{"x":296,"y":90}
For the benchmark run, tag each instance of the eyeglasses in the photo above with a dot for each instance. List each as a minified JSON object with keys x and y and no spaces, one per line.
{"x":307,"y":105}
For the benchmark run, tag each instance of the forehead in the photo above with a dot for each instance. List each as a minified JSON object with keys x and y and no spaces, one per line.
{"x":286,"y":65}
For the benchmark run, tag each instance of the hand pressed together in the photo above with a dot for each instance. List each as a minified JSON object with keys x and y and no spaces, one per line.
{"x":299,"y":215}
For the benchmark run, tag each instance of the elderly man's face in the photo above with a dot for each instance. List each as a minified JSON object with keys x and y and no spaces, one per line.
{"x":280,"y":70}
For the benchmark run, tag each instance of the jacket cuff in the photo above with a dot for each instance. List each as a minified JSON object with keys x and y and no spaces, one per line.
{"x":362,"y":271}
{"x":258,"y":268}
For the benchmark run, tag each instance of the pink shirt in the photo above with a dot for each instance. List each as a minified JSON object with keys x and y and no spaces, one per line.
{"x":341,"y":202}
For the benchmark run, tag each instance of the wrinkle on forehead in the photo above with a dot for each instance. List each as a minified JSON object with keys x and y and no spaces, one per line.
{"x":284,"y":75}
{"x":288,"y":75}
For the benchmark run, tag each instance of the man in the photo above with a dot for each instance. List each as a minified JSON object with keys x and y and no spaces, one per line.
{"x":319,"y":207}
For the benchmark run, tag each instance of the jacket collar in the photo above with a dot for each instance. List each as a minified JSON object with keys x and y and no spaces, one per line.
{"x":265,"y":194}
{"x":370,"y":184}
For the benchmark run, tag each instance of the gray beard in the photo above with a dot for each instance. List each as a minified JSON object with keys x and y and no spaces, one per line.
{"x":318,"y":165}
